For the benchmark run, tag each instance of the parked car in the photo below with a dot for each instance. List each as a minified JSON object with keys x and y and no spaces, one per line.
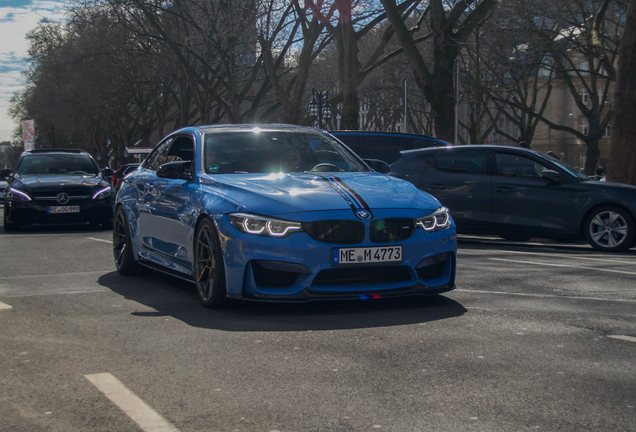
{"x":3,"y":185}
{"x":56,"y":186}
{"x":385,"y":146}
{"x":118,"y":175}
{"x":277,"y":212}
{"x":518,"y":194}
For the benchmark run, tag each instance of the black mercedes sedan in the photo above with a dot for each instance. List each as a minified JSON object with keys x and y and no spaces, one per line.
{"x":518,"y":194}
{"x":57,"y":186}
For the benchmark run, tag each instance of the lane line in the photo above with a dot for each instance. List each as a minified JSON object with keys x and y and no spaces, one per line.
{"x":55,"y":274}
{"x":543,"y":296}
{"x":623,"y":337}
{"x":139,"y":411}
{"x":4,"y":306}
{"x":564,"y":265}
{"x":100,"y":240}
{"x":551,"y":254}
{"x":57,"y":293}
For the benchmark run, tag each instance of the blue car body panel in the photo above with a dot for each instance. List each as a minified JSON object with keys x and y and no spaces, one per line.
{"x":163,"y":215}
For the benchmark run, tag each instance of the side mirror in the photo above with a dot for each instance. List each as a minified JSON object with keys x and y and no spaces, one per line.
{"x":552,"y":175}
{"x":179,"y":170}
{"x":378,"y":165}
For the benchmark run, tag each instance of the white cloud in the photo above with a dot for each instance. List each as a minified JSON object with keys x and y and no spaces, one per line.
{"x":16,"y":20}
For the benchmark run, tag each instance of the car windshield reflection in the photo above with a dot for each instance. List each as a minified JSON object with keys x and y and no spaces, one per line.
{"x":273,"y":152}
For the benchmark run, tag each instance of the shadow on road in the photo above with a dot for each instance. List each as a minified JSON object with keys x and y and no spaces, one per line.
{"x":173,"y":297}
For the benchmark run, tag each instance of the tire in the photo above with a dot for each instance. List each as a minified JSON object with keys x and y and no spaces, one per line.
{"x":9,"y":226}
{"x":209,"y":272}
{"x":609,"y":229}
{"x":122,"y":245}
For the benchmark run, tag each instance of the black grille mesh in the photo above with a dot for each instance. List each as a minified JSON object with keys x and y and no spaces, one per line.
{"x":391,"y":230}
{"x":336,"y":231}
{"x":268,"y":278}
{"x":351,"y":276}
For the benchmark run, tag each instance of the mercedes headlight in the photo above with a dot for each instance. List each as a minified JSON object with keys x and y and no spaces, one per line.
{"x":438,"y":220}
{"x":263,"y":226}
{"x":103,"y":193}
{"x":18,"y":195}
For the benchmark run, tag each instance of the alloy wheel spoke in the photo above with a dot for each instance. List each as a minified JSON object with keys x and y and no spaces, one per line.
{"x":597,"y":236}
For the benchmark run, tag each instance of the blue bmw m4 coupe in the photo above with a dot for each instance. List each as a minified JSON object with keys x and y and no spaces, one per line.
{"x":279,"y":213}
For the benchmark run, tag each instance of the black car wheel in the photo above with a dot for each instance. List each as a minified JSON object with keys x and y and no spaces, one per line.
{"x":122,"y":245}
{"x":9,"y":226}
{"x":208,"y":266}
{"x":609,"y":229}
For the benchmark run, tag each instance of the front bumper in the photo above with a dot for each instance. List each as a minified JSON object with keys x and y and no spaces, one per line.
{"x":37,"y":212}
{"x":299,"y":269}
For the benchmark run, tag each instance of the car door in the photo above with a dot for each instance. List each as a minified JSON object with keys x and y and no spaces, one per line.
{"x":461,"y":181}
{"x":526,"y":203}
{"x":171,"y":214}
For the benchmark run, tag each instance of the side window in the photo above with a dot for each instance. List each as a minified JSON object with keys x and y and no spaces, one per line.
{"x":422,"y":143}
{"x":463,"y":162}
{"x":182,"y":149}
{"x":157,"y":156}
{"x":511,"y":165}
{"x":428,"y":158}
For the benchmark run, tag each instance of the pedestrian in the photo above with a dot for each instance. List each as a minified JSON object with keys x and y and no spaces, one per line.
{"x":524,"y":144}
{"x":551,"y":153}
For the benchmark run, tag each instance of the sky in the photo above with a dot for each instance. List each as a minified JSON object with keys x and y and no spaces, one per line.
{"x":17,"y":18}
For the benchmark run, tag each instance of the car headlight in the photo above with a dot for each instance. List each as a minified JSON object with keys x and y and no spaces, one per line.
{"x":263,"y":226}
{"x":18,"y":195}
{"x":102,"y":193}
{"x":438,"y":220}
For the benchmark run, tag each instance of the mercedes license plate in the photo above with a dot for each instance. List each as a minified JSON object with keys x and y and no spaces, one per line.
{"x":367,"y":255}
{"x":63,"y":209}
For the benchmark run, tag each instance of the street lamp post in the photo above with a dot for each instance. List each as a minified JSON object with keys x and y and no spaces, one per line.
{"x":572,"y":140}
{"x":319,"y":107}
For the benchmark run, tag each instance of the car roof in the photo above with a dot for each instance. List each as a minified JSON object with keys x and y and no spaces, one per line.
{"x":252,"y":126}
{"x":383,"y":133}
{"x":55,"y":150}
{"x":471,"y":146}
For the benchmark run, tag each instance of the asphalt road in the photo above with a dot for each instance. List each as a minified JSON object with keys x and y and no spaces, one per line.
{"x":536,"y":337}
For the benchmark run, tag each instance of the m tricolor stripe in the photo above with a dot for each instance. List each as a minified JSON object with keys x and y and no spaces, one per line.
{"x":354,"y":200}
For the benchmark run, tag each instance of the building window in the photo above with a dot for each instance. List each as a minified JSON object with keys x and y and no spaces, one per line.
{"x":583,"y":125}
{"x":608,"y":131}
{"x":585,"y":96}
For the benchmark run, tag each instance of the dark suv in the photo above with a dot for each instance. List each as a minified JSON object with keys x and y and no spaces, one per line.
{"x":56,"y":186}
{"x":385,"y":146}
{"x":518,"y":194}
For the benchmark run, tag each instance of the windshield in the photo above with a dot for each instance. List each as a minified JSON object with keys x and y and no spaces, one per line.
{"x":276,"y":151}
{"x":565,"y":167}
{"x":57,"y":164}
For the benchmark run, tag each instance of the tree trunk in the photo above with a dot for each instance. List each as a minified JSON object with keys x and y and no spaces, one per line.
{"x":622,"y":161}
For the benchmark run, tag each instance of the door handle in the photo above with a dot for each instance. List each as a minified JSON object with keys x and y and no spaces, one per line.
{"x":503,"y":189}
{"x":436,"y":186}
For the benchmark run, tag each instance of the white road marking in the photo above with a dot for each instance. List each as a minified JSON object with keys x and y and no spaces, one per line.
{"x":623,"y":337}
{"x":5,"y":306}
{"x":558,"y":255}
{"x":54,"y":274}
{"x":544,"y":296}
{"x":564,"y":265}
{"x":100,"y":240}
{"x":140,"y":412}
{"x":58,"y":293}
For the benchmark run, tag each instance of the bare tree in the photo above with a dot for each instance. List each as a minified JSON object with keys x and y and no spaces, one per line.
{"x":622,"y":162}
{"x":449,"y":27}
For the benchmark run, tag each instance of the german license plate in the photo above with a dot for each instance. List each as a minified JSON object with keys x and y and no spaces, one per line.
{"x":367,"y":255}
{"x":63,"y":209}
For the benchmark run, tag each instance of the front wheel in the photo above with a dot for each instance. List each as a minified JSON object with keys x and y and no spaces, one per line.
{"x":208,"y":266}
{"x":609,"y":229}
{"x":122,"y":245}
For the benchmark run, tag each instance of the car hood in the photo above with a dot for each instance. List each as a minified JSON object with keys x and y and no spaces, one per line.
{"x":277,"y":194}
{"x":47,"y":181}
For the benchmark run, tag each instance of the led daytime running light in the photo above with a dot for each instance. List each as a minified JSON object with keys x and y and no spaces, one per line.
{"x":19,"y":192}
{"x":102,"y":191}
{"x":436,"y":221}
